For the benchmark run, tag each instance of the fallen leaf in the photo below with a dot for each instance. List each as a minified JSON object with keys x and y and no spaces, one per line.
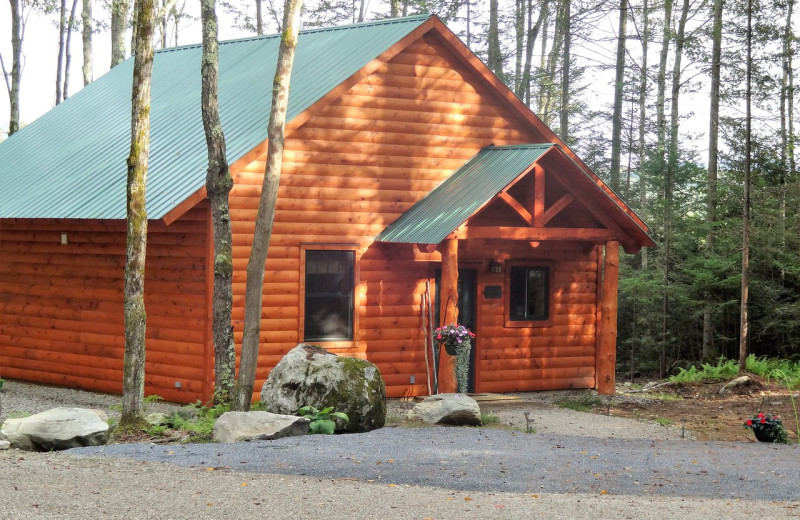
{"x":534,"y":496}
{"x":209,"y":469}
{"x":392,"y":485}
{"x":467,"y":499}
{"x":603,"y":491}
{"x":244,"y":484}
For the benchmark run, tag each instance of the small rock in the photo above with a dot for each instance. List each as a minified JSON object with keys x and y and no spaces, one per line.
{"x":455,"y":409}
{"x":251,"y":426}
{"x":737,"y":384}
{"x":4,"y":445}
{"x":156,"y":419}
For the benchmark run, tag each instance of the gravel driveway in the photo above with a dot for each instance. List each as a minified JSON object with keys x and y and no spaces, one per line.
{"x":576,"y":466}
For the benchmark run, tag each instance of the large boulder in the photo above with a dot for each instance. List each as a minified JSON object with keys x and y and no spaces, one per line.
{"x":57,"y":429}
{"x":258,"y":425}
{"x":455,"y":409}
{"x":311,"y":376}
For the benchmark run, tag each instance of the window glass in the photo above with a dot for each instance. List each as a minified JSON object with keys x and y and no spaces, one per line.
{"x":528,"y":292}
{"x":329,"y":295}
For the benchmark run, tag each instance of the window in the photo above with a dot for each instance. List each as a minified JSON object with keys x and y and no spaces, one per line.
{"x":329,"y":295}
{"x":528,"y":293}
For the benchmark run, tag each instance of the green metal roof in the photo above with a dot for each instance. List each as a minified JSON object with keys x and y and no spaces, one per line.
{"x":461,"y":195}
{"x":70,"y":163}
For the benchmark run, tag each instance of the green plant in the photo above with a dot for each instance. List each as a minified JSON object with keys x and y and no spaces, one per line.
{"x":154,"y":398}
{"x":488,"y":418}
{"x":583,"y":403}
{"x":779,"y":373}
{"x":2,"y":381}
{"x":322,"y":421}
{"x":767,"y":429}
{"x":457,"y":341}
{"x":663,"y":421}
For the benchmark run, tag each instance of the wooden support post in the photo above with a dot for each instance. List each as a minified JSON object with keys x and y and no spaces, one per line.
{"x":448,"y":311}
{"x":606,"y":355}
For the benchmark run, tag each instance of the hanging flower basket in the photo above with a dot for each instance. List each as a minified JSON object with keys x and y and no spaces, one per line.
{"x":457,"y":341}
{"x":767,"y":429}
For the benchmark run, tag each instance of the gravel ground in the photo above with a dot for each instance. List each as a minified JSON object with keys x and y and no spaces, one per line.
{"x":577,"y":465}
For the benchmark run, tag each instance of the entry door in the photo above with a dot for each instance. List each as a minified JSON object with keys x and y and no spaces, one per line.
{"x":467,"y":310}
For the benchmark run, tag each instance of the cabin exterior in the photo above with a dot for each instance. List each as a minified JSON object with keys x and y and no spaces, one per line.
{"x":409,"y":171}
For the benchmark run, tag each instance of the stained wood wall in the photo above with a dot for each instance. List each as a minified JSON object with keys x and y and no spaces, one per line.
{"x":348,"y":172}
{"x":61,"y":318}
{"x":559,"y":355}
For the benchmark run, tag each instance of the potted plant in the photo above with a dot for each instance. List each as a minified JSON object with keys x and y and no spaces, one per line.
{"x":457,"y":341}
{"x":767,"y":429}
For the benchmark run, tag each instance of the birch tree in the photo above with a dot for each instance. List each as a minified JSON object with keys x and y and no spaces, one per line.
{"x":86,"y":40}
{"x":243,"y":392}
{"x":119,"y":23}
{"x":218,"y":186}
{"x":136,"y":219}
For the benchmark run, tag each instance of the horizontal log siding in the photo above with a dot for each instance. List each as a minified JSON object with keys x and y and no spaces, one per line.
{"x":61,"y":319}
{"x":348,"y":172}
{"x":560,"y":355}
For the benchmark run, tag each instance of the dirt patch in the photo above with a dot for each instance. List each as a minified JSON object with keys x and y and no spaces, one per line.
{"x":706,"y":413}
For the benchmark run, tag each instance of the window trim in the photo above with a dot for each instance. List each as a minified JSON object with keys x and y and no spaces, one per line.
{"x":546,"y":322}
{"x":301,"y":304}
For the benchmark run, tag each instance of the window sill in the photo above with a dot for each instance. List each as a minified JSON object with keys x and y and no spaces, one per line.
{"x":333,"y":344}
{"x":529,"y":324}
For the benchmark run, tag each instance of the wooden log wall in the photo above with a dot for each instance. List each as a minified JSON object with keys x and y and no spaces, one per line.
{"x":61,"y":318}
{"x":348,"y":172}
{"x":558,"y":356}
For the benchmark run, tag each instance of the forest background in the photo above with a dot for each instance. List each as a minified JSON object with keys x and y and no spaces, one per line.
{"x":652,"y":94}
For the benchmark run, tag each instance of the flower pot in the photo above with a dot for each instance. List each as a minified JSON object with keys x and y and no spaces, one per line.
{"x":768,"y":434}
{"x":450,"y":349}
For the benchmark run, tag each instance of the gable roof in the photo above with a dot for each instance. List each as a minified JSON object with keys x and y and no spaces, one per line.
{"x":71,"y":162}
{"x":481,"y":179}
{"x":463,"y":194}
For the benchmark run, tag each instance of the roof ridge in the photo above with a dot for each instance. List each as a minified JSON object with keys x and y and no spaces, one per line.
{"x":372,"y":23}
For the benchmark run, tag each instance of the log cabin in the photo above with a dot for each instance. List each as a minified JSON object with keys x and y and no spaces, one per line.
{"x":411,"y":176}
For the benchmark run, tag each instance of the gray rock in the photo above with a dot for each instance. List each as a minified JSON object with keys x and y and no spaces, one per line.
{"x":737,"y":384}
{"x":311,"y":376}
{"x":156,"y":418}
{"x":57,"y":429}
{"x":4,"y":445}
{"x":251,"y":426}
{"x":456,"y":409}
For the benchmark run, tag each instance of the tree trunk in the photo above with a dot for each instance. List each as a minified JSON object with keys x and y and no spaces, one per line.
{"x":243,"y":392}
{"x":533,"y":33}
{"x":394,"y":8}
{"x":135,"y":315}
{"x":259,"y":19}
{"x":218,"y":186}
{"x":619,"y":84}
{"x":713,"y":152}
{"x":16,"y":66}
{"x":744,"y":322}
{"x":362,"y":11}
{"x":68,"y":60}
{"x":661,"y":128}
{"x":643,"y":117}
{"x":670,"y":172}
{"x":119,"y":23}
{"x":86,"y":16}
{"x":565,"y":69}
{"x":62,"y":29}
{"x":494,"y":57}
{"x":519,"y":29}
{"x":786,"y":109}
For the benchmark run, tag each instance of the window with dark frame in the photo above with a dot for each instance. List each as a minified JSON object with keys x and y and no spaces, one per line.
{"x":329,"y":295}
{"x":528,"y":293}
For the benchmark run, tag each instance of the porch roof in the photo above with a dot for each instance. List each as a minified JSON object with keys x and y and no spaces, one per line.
{"x":463,"y":194}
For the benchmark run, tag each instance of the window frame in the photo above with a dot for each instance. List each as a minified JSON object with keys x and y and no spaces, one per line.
{"x":530,"y":264}
{"x":338,"y":343}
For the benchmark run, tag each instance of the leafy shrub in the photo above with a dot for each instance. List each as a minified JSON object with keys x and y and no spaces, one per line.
{"x":322,"y":420}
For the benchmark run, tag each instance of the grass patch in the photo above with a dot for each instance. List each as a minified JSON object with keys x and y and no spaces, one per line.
{"x":583,"y":403}
{"x":663,"y":421}
{"x":489,"y":419}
